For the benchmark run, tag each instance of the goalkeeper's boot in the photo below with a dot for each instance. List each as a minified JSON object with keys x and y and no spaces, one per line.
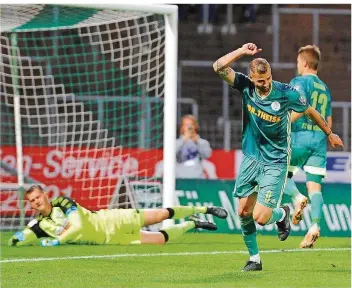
{"x":311,"y":237}
{"x":217,"y":211}
{"x":284,"y":227}
{"x":202,"y":224}
{"x":252,"y":266}
{"x":299,"y":206}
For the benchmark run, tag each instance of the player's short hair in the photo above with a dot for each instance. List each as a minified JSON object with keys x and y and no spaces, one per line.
{"x":194,"y":120}
{"x":311,"y":54}
{"x":259,"y":66}
{"x":35,"y":187}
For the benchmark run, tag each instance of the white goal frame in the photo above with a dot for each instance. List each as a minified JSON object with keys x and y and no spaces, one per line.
{"x":170,"y":13}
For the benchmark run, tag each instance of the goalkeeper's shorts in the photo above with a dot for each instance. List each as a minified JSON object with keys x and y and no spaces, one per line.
{"x":124,"y":226}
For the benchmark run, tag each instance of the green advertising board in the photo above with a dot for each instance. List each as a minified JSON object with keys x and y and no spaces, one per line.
{"x":336,"y":219}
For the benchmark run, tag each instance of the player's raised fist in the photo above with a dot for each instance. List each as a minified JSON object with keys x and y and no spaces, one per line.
{"x":251,"y":49}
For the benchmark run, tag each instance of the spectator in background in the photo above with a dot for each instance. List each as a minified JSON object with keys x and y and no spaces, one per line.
{"x":191,"y":149}
{"x":209,"y":169}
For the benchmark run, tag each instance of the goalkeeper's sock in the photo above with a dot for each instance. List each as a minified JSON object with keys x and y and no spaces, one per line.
{"x":179,"y":212}
{"x":277,"y":215}
{"x":292,"y":190}
{"x":249,"y":233}
{"x":316,"y":204}
{"x":175,"y":231}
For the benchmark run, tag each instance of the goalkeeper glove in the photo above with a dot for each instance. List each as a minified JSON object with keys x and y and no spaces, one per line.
{"x":17,"y":237}
{"x":49,"y":242}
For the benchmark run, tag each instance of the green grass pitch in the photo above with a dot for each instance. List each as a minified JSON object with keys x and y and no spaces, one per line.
{"x":195,"y":260}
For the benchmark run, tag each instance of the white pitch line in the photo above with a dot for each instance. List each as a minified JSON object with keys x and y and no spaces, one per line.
{"x":166,"y":254}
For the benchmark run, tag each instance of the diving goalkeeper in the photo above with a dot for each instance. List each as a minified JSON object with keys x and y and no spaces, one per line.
{"x":63,"y":221}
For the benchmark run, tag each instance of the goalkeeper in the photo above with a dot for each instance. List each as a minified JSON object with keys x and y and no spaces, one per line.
{"x":63,"y":221}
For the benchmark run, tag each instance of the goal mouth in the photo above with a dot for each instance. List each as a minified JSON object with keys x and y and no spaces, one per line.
{"x":86,"y":87}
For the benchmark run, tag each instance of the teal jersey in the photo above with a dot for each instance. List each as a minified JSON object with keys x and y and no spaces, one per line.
{"x":266,"y":121}
{"x":318,"y":96}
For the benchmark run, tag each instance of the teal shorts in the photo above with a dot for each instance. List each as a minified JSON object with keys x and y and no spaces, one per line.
{"x":308,"y":153}
{"x":266,"y":179}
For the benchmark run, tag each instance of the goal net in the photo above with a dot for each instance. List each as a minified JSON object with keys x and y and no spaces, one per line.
{"x":90,"y":84}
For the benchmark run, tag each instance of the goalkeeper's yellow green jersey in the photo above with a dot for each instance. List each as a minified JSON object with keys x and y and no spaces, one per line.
{"x":71,"y":223}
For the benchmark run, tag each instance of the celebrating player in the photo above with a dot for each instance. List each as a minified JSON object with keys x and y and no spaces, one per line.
{"x":267,"y":107}
{"x":62,"y":220}
{"x":309,"y":141}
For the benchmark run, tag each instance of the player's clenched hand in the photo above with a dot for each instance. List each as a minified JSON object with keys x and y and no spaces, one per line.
{"x":49,"y":242}
{"x":335,"y":140}
{"x":250,"y":49}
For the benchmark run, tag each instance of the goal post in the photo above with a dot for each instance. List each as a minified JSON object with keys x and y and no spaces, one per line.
{"x":92,"y":90}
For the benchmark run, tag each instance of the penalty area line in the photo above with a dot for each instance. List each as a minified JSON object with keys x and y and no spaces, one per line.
{"x":14,"y":260}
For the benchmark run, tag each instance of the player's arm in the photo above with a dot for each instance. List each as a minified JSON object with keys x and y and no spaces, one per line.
{"x":29,"y":236}
{"x":22,"y":238}
{"x":329,"y":111}
{"x":315,"y":116}
{"x":222,"y":65}
{"x":74,"y":226}
{"x":298,"y":103}
{"x":295,"y":116}
{"x":70,"y":234}
{"x":74,"y":229}
{"x":297,"y":85}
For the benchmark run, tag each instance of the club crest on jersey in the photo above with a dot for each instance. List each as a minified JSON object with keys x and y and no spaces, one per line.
{"x":297,"y":88}
{"x":303,"y":100}
{"x":275,"y":106}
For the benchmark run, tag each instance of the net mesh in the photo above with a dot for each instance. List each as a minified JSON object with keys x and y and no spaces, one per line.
{"x":91,"y":88}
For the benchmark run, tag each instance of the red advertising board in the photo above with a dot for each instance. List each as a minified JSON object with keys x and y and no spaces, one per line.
{"x":90,"y":175}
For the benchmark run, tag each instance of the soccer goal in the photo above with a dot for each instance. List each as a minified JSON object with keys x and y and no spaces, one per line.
{"x":88,"y":105}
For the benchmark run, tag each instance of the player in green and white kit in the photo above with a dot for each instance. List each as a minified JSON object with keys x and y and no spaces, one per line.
{"x":267,"y":107}
{"x":64,"y":221}
{"x":309,"y":143}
